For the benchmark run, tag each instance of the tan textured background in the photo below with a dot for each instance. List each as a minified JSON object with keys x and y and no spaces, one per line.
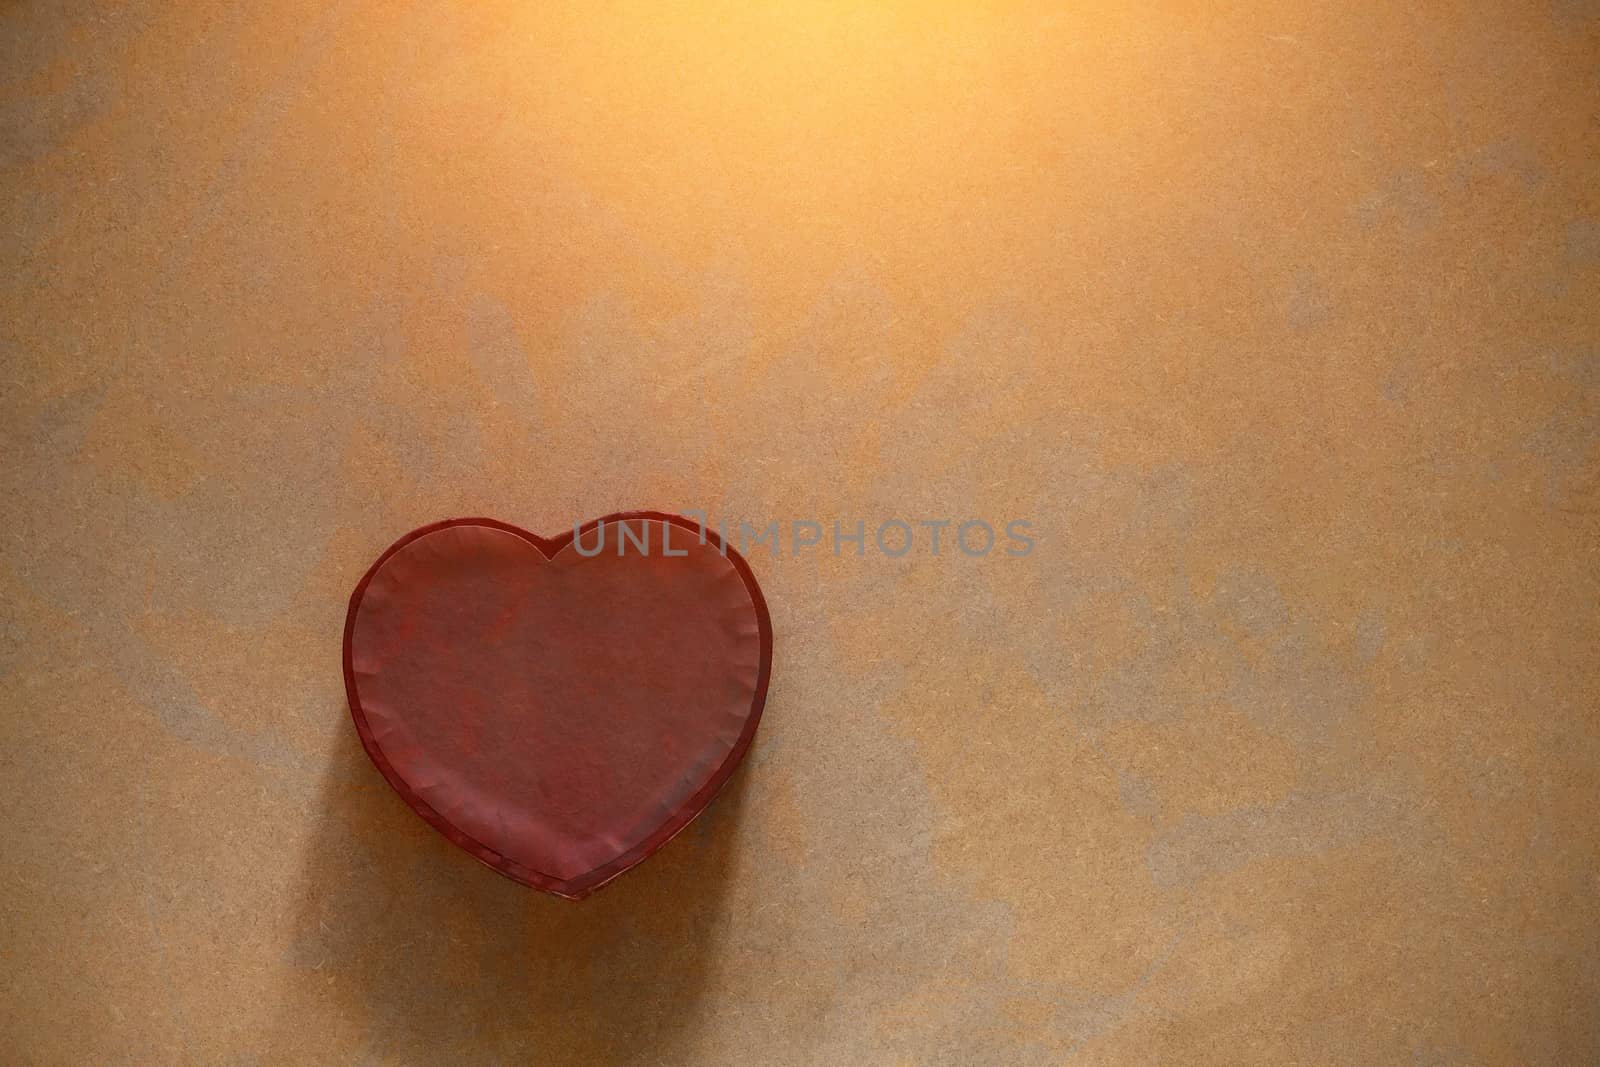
{"x":1280,"y":325}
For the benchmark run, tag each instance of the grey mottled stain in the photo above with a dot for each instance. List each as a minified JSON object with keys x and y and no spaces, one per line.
{"x":1201,"y":847}
{"x":1583,"y":241}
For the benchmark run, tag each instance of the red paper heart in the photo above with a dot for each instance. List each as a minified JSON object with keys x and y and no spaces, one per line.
{"x":559,"y":715}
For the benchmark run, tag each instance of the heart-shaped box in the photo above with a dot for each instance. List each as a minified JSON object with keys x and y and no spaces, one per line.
{"x":559,"y":707}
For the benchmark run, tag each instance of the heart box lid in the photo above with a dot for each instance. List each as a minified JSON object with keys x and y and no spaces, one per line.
{"x":559,"y":707}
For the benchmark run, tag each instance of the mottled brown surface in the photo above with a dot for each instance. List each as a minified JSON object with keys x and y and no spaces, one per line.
{"x":1281,"y":325}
